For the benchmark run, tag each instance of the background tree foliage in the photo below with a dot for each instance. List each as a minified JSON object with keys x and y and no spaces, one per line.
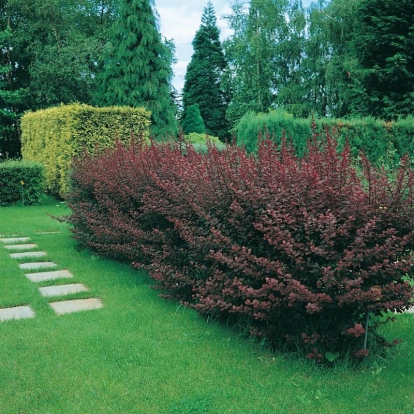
{"x":256,"y":62}
{"x":11,"y":98}
{"x":60,"y":43}
{"x":339,"y":58}
{"x":52,"y":52}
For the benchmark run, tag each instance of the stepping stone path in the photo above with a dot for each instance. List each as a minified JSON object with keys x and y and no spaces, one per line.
{"x":37,"y":265}
{"x":18,"y":312}
{"x":27,"y":255}
{"x":15,"y":240}
{"x":62,"y":289}
{"x":20,"y":246}
{"x":44,"y":276}
{"x":69,"y":306}
{"x":61,"y":307}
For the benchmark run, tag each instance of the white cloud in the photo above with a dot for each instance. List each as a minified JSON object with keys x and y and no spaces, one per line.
{"x":180,"y":24}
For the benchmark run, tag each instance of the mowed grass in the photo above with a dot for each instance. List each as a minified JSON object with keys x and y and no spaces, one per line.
{"x":142,"y":354}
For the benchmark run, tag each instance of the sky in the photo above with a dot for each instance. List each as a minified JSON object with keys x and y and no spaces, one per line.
{"x":179,"y":20}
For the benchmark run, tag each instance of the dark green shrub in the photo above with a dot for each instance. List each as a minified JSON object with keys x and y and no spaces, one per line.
{"x":21,"y":181}
{"x":193,"y":122}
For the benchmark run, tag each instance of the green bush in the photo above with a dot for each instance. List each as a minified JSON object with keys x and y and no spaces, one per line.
{"x":54,"y":136}
{"x":21,"y":181}
{"x":382,"y":142}
{"x":193,"y":122}
{"x":201,"y":141}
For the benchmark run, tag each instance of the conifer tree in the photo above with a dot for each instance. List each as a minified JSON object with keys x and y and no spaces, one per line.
{"x":203,"y":78}
{"x":384,"y":43}
{"x":193,"y":122}
{"x":137,"y":68}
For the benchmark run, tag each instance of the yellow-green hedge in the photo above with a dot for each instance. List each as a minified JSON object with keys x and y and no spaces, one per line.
{"x":54,"y":136}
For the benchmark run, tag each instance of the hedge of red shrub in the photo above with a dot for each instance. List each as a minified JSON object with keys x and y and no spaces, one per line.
{"x":299,"y":251}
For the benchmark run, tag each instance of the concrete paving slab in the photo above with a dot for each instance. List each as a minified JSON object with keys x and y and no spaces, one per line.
{"x":48,"y":232}
{"x":411,"y":310}
{"x":62,"y":290}
{"x":53,"y":275}
{"x":20,"y":246}
{"x":18,"y":312}
{"x":76,"y":305}
{"x":27,"y":255}
{"x":37,"y":265}
{"x":8,"y":240}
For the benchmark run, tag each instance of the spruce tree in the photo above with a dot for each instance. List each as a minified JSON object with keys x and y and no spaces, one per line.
{"x":384,"y":43}
{"x":137,"y":68}
{"x":203,"y":78}
{"x":193,"y":122}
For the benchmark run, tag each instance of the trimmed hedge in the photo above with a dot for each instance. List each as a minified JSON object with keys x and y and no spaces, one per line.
{"x":301,"y":252}
{"x":384,"y":143}
{"x":54,"y":136}
{"x":252,"y":127}
{"x":21,"y":181}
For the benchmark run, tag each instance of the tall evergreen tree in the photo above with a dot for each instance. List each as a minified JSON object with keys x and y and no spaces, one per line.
{"x":137,"y":67}
{"x":204,"y":76}
{"x":384,"y":44}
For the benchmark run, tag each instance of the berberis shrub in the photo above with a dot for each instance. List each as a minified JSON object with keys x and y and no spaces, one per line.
{"x":306,"y":253}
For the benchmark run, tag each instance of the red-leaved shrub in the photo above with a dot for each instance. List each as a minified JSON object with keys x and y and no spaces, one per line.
{"x":297,"y":250}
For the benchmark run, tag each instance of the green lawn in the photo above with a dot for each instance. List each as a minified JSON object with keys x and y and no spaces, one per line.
{"x":142,"y":354}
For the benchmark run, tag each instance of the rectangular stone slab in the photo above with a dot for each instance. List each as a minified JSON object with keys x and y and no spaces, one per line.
{"x":76,"y":305}
{"x":37,"y":265}
{"x":15,"y":240}
{"x":20,"y":246}
{"x":62,"y":290}
{"x":18,"y":312}
{"x":27,"y":255}
{"x":53,"y":275}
